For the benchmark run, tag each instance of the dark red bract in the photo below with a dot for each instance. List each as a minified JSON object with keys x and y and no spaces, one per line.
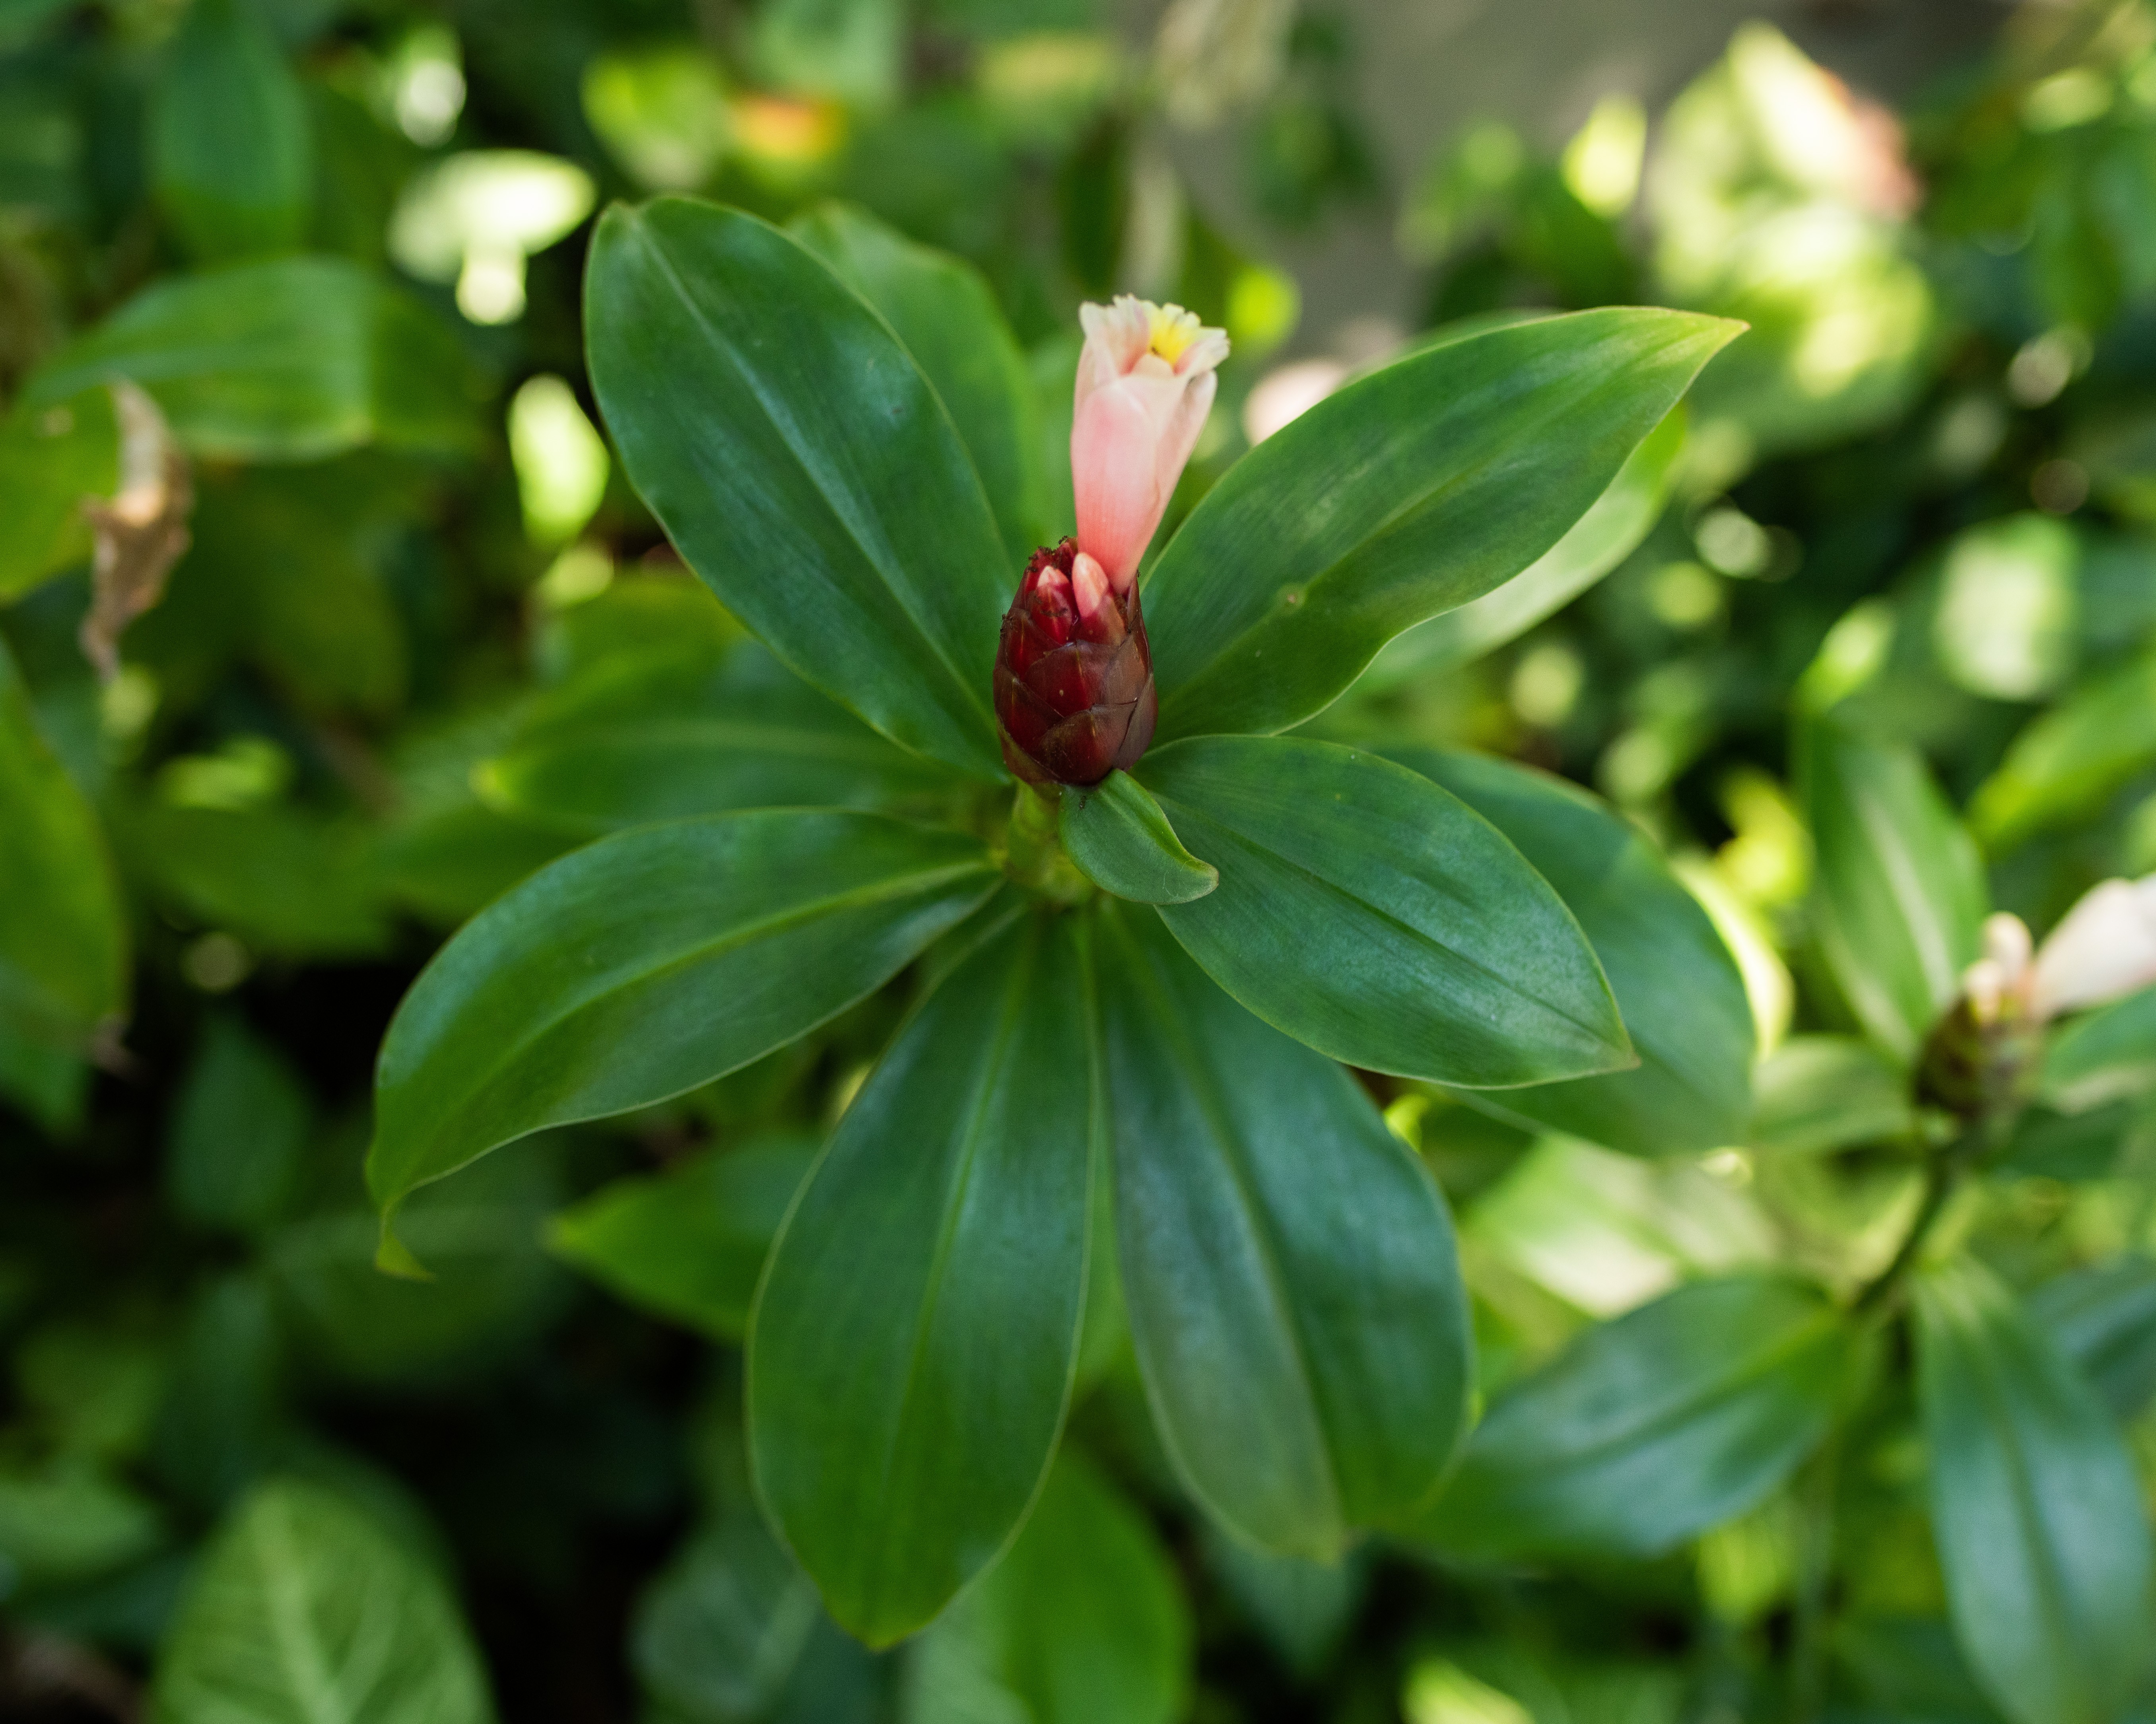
{"x":1074,"y":695}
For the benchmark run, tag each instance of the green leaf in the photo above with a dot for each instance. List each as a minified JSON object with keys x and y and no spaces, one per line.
{"x":1376,"y":917}
{"x":305,"y":1612}
{"x":648,"y":963}
{"x":1082,"y":1620}
{"x":50,"y":460}
{"x":942,"y":308}
{"x":1680,"y":991}
{"x":1817,"y":1093}
{"x":1422,"y":487}
{"x":63,"y":943}
{"x":2071,"y":757}
{"x":719,"y":1633}
{"x":1288,"y":1266}
{"x":2043,"y":1531}
{"x":803,"y":465}
{"x":1647,"y":1430}
{"x":1597,"y":542}
{"x":71,"y":1523}
{"x":239,"y":1131}
{"x":661,"y":737}
{"x":2103,"y":1055}
{"x":911,"y":1357}
{"x":1122,"y":843}
{"x":1901,"y":894}
{"x":287,"y":360}
{"x":689,"y":1244}
{"x":492,"y":1288}
{"x":2103,"y":1318}
{"x":231,"y":153}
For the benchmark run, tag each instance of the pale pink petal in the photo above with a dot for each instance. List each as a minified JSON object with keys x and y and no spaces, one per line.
{"x":1113,"y":479}
{"x":2104,"y":948}
{"x":1116,"y":338}
{"x":1203,"y":354}
{"x":1089,"y":585}
{"x":1180,"y":436}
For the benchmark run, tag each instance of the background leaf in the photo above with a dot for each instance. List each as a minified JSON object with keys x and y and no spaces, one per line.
{"x":287,"y":360}
{"x":660,"y":736}
{"x":1679,"y":989}
{"x":803,"y":465}
{"x":942,"y":309}
{"x":2103,"y":1055}
{"x":910,"y":1356}
{"x":1082,"y":1619}
{"x":719,"y":1633}
{"x":1374,"y":915}
{"x":1287,"y":1264}
{"x":1901,"y":895}
{"x":1420,"y":487}
{"x":231,"y":151}
{"x":2103,"y":1318}
{"x":689,"y":1244}
{"x":2043,"y":1532}
{"x":1645,"y":1431}
{"x":62,"y":950}
{"x":648,"y":963}
{"x":304,"y":1612}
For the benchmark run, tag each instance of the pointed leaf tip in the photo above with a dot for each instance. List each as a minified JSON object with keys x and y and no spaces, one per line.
{"x":1122,"y":841}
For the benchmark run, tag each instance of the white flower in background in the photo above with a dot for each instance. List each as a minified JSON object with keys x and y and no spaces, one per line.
{"x":2103,"y":949}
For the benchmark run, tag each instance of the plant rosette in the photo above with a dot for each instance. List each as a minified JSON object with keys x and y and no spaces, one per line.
{"x":1143,"y":977}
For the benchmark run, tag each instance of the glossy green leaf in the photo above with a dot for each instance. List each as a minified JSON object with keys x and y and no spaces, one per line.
{"x":51,"y":458}
{"x":1376,"y":917}
{"x":1424,"y":485}
{"x":2103,"y":1055}
{"x":648,"y":963}
{"x":1901,"y":894}
{"x":910,"y":1356}
{"x":1082,"y":1620}
{"x":1649,"y":1429}
{"x":689,"y":1244}
{"x":2071,"y":757}
{"x":1597,"y":542}
{"x":2103,"y":1318}
{"x":1121,"y":841}
{"x":943,"y":311}
{"x":803,"y":465}
{"x":231,"y":151}
{"x":719,"y":1633}
{"x":1288,"y":1266}
{"x":1678,"y":988}
{"x":2043,"y":1533}
{"x":63,"y":943}
{"x":287,"y":360}
{"x":1817,"y":1093}
{"x":659,"y":737}
{"x":304,"y":1611}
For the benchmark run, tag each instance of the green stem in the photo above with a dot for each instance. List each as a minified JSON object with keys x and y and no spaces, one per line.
{"x":1814,"y":1569}
{"x":1941,"y":1177}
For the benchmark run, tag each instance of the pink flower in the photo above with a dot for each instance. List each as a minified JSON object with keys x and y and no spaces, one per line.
{"x":1145,"y":384}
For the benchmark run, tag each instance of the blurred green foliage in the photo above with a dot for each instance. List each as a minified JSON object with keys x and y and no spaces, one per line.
{"x":424,"y":638}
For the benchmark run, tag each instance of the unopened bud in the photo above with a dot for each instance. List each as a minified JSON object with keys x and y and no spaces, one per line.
{"x":1074,"y":675}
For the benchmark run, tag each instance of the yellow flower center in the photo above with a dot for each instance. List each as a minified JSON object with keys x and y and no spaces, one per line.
{"x":1170,"y":330}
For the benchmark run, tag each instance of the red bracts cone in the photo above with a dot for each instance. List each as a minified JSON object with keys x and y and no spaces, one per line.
{"x":1074,"y":676}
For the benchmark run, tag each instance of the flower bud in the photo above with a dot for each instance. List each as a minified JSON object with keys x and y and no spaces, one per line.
{"x":1074,"y":675}
{"x":1145,"y":384}
{"x":2103,"y":949}
{"x":1980,"y":1057}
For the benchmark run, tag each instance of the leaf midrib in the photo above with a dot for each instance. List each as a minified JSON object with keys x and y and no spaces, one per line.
{"x":1341,"y":893}
{"x":1172,"y":1032}
{"x":972,"y":702}
{"x":1436,"y":494}
{"x":615,"y":982}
